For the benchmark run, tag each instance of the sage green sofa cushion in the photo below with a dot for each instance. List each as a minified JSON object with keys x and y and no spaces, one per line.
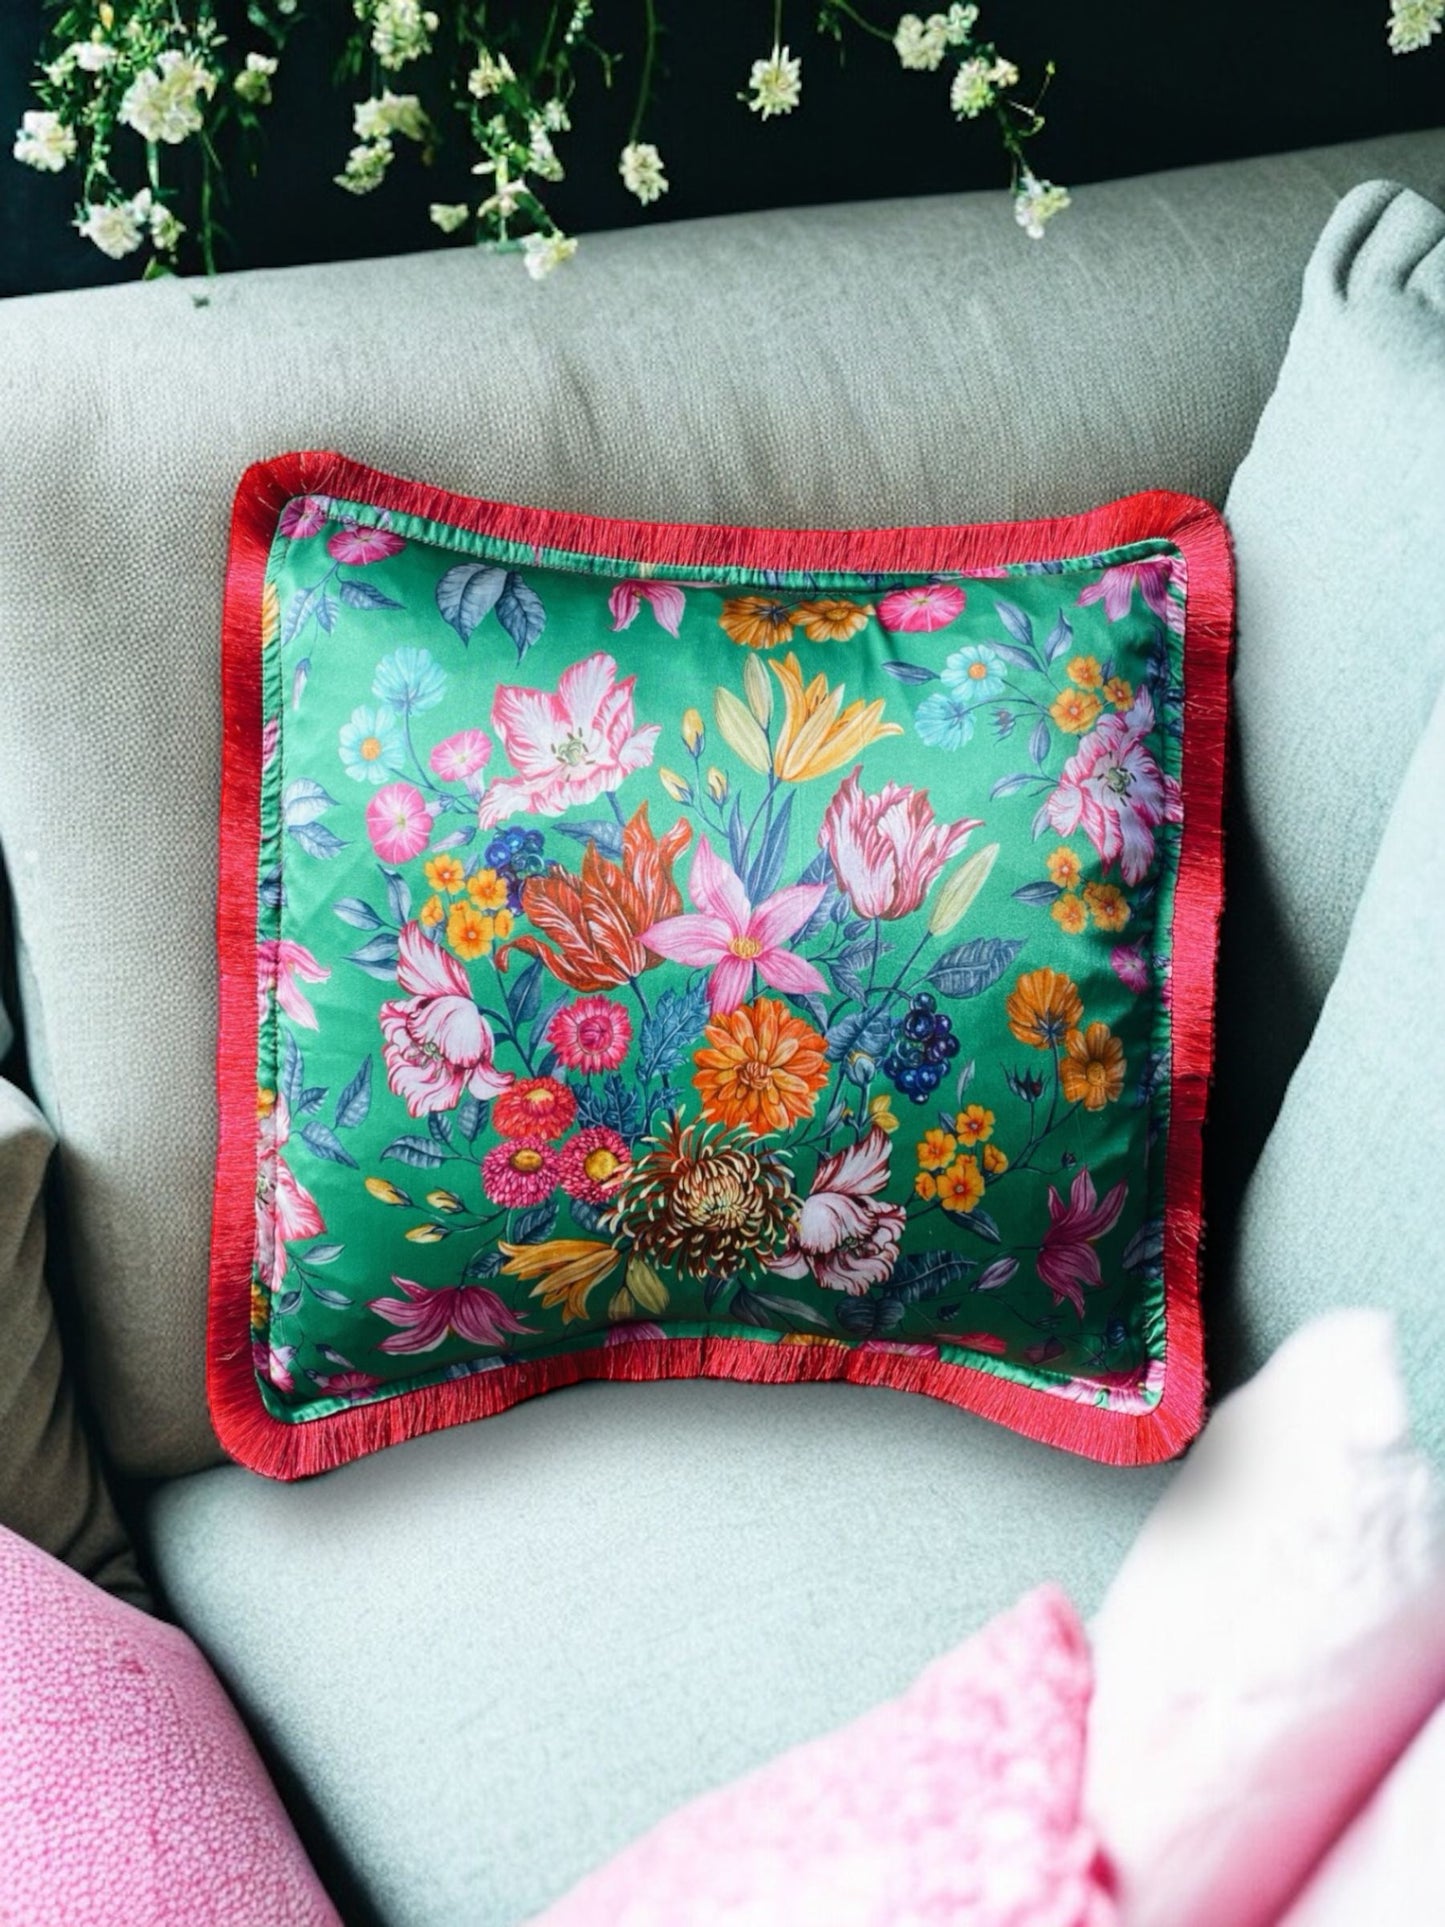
{"x":903,"y":363}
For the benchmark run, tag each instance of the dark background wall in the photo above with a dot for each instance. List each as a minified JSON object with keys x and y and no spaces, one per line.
{"x":1139,"y":87}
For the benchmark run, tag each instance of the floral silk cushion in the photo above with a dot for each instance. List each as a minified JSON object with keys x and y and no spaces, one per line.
{"x":654,"y":951}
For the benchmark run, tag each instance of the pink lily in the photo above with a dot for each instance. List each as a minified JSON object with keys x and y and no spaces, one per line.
{"x":1114,"y":789}
{"x":843,"y":1235}
{"x":1067,"y":1259}
{"x":279,"y":962}
{"x":735,"y":937}
{"x":436,"y":1044}
{"x":426,"y":1316}
{"x":665,"y":599}
{"x":1115,"y":589}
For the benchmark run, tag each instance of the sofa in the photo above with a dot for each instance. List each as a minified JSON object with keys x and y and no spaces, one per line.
{"x":479,"y":1662}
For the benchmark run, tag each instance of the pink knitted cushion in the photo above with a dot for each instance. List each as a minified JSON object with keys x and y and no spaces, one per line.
{"x":130,"y":1792}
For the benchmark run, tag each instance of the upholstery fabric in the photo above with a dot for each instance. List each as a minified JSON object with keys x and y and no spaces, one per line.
{"x":678,"y":1579}
{"x":1372,"y":1085}
{"x":1343,"y":491}
{"x":907,"y":364}
{"x":130,"y":1793}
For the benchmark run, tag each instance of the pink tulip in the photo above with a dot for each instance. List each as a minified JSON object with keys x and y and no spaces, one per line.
{"x":279,"y":962}
{"x":566,"y":748}
{"x":843,"y":1235}
{"x":1067,"y":1259}
{"x":665,"y":599}
{"x":398,"y":823}
{"x":436,"y":1043}
{"x":932,"y":605}
{"x":428,"y":1315}
{"x":361,"y":542}
{"x":734,"y":938}
{"x":1113,"y":788}
{"x":888,"y":849}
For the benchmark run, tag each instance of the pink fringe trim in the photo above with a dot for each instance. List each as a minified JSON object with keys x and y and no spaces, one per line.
{"x":291,"y":1450}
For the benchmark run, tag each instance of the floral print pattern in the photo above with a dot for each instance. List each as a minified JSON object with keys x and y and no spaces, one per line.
{"x":778,"y":956}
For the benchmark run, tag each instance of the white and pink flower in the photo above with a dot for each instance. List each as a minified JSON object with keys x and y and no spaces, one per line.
{"x":734,"y":938}
{"x":285,"y":1209}
{"x":398,"y":822}
{"x":887,"y":850}
{"x":931,"y":605}
{"x":279,"y":963}
{"x":844,"y":1235}
{"x":436,"y":1043}
{"x":304,"y":515}
{"x":1113,"y":789}
{"x":665,"y":599}
{"x":460,"y":756}
{"x":566,"y":748}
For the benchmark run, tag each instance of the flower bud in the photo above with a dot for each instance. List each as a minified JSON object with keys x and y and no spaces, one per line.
{"x":676,"y":786}
{"x":758,"y":690}
{"x":386,"y":1191}
{"x":717,"y":784}
{"x":693,"y":731}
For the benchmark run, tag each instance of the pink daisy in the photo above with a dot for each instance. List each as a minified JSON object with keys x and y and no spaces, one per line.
{"x":519,"y":1173}
{"x":931,"y":605}
{"x":398,"y":823}
{"x":591,"y":1035}
{"x":461,"y":755}
{"x":361,"y":542}
{"x":534,"y":1107}
{"x":593,"y":1164}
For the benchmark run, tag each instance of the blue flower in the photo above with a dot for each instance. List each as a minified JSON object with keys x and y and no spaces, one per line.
{"x":408,"y":681}
{"x":944,"y":721}
{"x":974,"y":674}
{"x":371,"y":745}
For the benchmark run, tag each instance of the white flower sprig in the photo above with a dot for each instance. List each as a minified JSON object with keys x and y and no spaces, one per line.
{"x":1414,"y":24}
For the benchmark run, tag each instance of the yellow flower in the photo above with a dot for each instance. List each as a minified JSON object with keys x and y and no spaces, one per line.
{"x":566,"y":1269}
{"x":974,"y":1125}
{"x":386,"y":1191}
{"x":758,"y":690}
{"x":961,"y":1186}
{"x":1092,"y":1071}
{"x":1069,"y":914}
{"x":1085,"y":671}
{"x":881,"y":1113}
{"x":832,"y":618}
{"x":757,"y":621}
{"x":260,"y":1307}
{"x":717,"y":783}
{"x":432,"y":912}
{"x":487,"y":890}
{"x":1042,"y":1008}
{"x":1108,"y":905}
{"x":1074,"y":710}
{"x":265,"y":1101}
{"x":445,"y":873}
{"x":936,"y":1150}
{"x":925,"y":1186}
{"x":502,"y":925}
{"x":470,"y":933}
{"x":1064,"y":868}
{"x":677,"y":787}
{"x":693,"y":730}
{"x":1119,"y":692}
{"x":818,"y":734}
{"x":995,"y":1162}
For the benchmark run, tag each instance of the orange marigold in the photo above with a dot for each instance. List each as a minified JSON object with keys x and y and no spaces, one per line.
{"x":961,"y":1185}
{"x":1092,"y":1072}
{"x":1119,"y":692}
{"x":974,"y":1125}
{"x":1109,"y":905}
{"x":757,"y":621}
{"x":832,"y":618}
{"x":763,"y":1070}
{"x":1042,"y":1008}
{"x":1075,"y":710}
{"x":1085,"y":671}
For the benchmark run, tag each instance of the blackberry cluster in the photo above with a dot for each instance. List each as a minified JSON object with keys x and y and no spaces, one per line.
{"x":515,"y":855}
{"x":923,"y":1044}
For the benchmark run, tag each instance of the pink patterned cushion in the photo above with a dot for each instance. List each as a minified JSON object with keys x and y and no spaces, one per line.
{"x":958,"y":1802}
{"x":129,"y":1790}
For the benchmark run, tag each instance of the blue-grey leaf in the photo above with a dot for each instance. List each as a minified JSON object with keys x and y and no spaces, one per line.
{"x":485,"y":1263}
{"x":292,"y":1072}
{"x":865,"y":1030}
{"x":365,"y":595}
{"x":1040,"y":892}
{"x":467,"y":593}
{"x":326,"y":613}
{"x":419,"y":1152}
{"x":269,"y":893}
{"x":926,"y":1274}
{"x":338,"y":1300}
{"x":310,"y":1101}
{"x":471,"y":1116}
{"x":766,"y":870}
{"x":379,"y":955}
{"x":1016,"y":622}
{"x":851,"y":964}
{"x":1039,"y":742}
{"x":298,"y":681}
{"x":321,"y":1139}
{"x":326,"y":1254}
{"x":288,"y":1302}
{"x":1060,"y":637}
{"x":980,"y":1223}
{"x":523,"y":993}
{"x":1041,"y":820}
{"x":298,"y":613}
{"x":737,"y":838}
{"x":303,"y":800}
{"x":1021,"y":658}
{"x":909,"y":672}
{"x":968,"y":969}
{"x":355,"y":1101}
{"x":604,"y":831}
{"x":531,"y":1226}
{"x":360,"y":915}
{"x":669,"y":1028}
{"x":520,"y":612}
{"x":439,"y":1125}
{"x":1010,"y":785}
{"x":1145,"y":1250}
{"x":316,"y":840}
{"x":398,"y":894}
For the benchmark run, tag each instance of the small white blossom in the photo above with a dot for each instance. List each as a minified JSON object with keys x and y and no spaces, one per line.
{"x":165,"y":229}
{"x":543,"y":252}
{"x":777,"y":84}
{"x":1037,"y":201}
{"x":1003,"y":73}
{"x":161,"y":103}
{"x":490,"y":75}
{"x":504,"y":200}
{"x":44,"y":141}
{"x":253,"y":83}
{"x":92,"y":56}
{"x":375,"y":119}
{"x":555,"y":117}
{"x":366,"y":166}
{"x":115,"y":228}
{"x":972,"y":89}
{"x":401,"y":31}
{"x":1414,"y":24}
{"x":544,"y":155}
{"x":958,"y":24}
{"x":920,"y":44}
{"x":448,"y":215}
{"x":641,"y":171}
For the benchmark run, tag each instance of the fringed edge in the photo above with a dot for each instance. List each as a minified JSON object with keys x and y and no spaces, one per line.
{"x":298,"y":1449}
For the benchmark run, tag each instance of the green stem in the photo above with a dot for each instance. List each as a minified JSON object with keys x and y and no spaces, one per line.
{"x":851,"y":13}
{"x":649,"y":55}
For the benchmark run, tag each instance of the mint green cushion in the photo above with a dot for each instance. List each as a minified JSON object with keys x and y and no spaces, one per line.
{"x":492,"y":1655}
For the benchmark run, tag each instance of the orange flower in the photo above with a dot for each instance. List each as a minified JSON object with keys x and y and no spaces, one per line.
{"x":926,"y":1185}
{"x":974,"y":1125}
{"x":469,"y":933}
{"x":1074,"y":710}
{"x":596,"y":920}
{"x":757,"y":621}
{"x":961,"y":1186}
{"x":1119,"y":692}
{"x":1092,"y":1072}
{"x":566,"y":1270}
{"x":832,"y":618}
{"x":445,"y":873}
{"x":764,"y":1069}
{"x":1064,"y":868}
{"x":936,"y":1150}
{"x":1069,"y":914}
{"x":1109,"y":905}
{"x":1085,"y":671}
{"x":432,"y":912}
{"x":487,"y":890}
{"x":1042,"y":1008}
{"x":995,"y":1161}
{"x":818,"y":734}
